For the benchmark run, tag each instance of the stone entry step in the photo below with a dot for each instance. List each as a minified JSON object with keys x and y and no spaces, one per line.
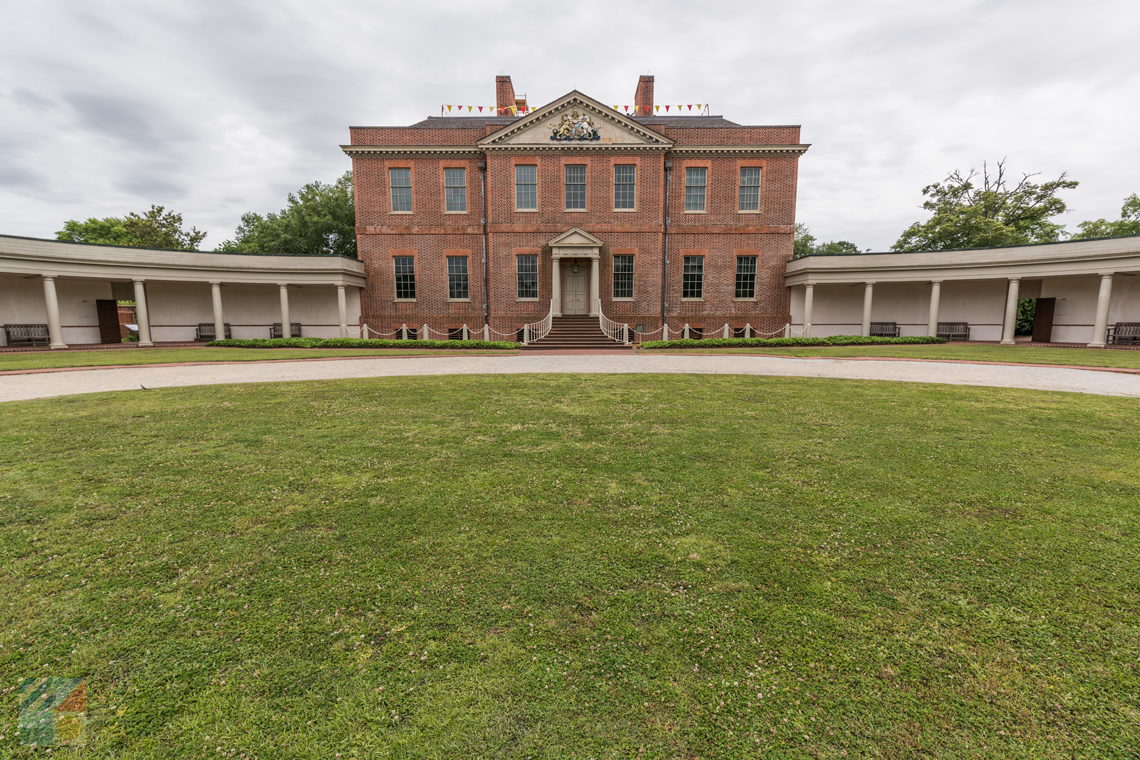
{"x":576,"y":333}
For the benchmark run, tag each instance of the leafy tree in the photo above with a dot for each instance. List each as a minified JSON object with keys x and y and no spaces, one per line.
{"x":319,"y":219}
{"x":1127,"y":224}
{"x":154,"y":228}
{"x":972,"y":211}
{"x":805,"y":244}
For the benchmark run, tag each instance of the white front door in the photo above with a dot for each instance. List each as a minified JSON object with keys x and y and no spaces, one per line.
{"x":575,"y":288}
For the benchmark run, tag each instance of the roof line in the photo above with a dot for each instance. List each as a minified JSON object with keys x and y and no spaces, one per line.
{"x":177,"y":250}
{"x":963,"y":250}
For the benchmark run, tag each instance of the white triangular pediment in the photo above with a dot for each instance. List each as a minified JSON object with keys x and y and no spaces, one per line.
{"x":551,"y":127}
{"x":575,"y":236}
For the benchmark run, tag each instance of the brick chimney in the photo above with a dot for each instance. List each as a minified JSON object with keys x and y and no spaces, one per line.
{"x":504,"y":95}
{"x":643,"y":98}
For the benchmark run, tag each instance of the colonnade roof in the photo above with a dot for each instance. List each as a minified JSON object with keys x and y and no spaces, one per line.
{"x":1071,"y":258}
{"x":37,"y":256}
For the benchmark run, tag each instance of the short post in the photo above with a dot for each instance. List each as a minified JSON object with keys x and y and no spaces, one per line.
{"x":486,"y":331}
{"x":404,"y":331}
{"x":724,"y":332}
{"x":1100,"y":322}
{"x":685,"y":331}
{"x":625,"y":333}
{"x":466,"y":333}
{"x":526,"y":335}
{"x":55,"y":332}
{"x":342,"y":311}
{"x":748,"y":330}
{"x":424,"y":330}
{"x":1009,"y":325}
{"x":665,"y":331}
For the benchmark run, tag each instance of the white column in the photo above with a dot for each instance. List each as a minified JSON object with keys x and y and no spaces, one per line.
{"x":51,"y":300}
{"x":935,"y":299}
{"x":342,"y":310}
{"x":1100,"y":324}
{"x":286,"y":331}
{"x":556,"y":286}
{"x":1010,"y":324}
{"x":595,"y":290}
{"x":809,"y":302}
{"x":219,"y":317}
{"x":142,"y":314}
{"x":868,"y":297}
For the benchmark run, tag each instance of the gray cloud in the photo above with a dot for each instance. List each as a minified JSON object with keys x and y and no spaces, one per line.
{"x":223,"y":106}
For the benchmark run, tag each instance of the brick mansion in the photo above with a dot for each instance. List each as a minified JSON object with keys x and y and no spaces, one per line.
{"x":575,"y":208}
{"x":569,"y":225}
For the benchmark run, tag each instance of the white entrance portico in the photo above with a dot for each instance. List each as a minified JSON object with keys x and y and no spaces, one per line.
{"x":573,"y":289}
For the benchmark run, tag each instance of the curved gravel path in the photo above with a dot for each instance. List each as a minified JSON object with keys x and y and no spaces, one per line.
{"x":42,"y":385}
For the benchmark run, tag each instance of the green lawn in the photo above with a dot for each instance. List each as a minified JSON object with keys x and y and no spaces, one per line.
{"x":577,"y":567}
{"x":100,"y":358}
{"x":1085,"y":357}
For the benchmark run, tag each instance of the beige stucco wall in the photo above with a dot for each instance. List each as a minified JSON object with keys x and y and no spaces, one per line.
{"x":838,"y":308}
{"x":22,"y":302}
{"x":1075,"y":309}
{"x":176,"y":309}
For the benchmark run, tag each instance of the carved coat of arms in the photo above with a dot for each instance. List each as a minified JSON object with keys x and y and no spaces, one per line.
{"x":575,"y":126}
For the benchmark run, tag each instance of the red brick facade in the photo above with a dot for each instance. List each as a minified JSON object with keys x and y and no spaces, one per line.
{"x":492,"y":232}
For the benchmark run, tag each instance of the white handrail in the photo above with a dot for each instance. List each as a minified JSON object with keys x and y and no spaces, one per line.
{"x":538,"y":330}
{"x":614,"y":330}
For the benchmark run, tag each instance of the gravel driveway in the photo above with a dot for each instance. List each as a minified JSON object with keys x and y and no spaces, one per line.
{"x":41,"y":385}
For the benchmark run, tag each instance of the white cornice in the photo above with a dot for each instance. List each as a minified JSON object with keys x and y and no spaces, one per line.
{"x":739,"y":150}
{"x":413,"y":150}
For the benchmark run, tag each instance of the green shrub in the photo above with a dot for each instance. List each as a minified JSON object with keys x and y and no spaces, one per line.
{"x":361,"y":343}
{"x":834,"y":340}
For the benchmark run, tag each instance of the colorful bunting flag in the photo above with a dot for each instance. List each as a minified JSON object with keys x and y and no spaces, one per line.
{"x":449,"y":109}
{"x":656,"y":109}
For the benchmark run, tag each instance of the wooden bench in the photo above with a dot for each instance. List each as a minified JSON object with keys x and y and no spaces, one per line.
{"x":1124,"y":333}
{"x":27,"y":335}
{"x":885,"y":329}
{"x":205,"y":332}
{"x":294,"y":328}
{"x":953,"y":330}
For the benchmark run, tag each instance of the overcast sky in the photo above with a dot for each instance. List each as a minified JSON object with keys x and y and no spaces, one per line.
{"x":218,"y":107}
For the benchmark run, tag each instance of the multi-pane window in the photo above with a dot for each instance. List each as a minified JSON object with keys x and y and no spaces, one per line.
{"x":526,"y":187}
{"x":455,"y":189}
{"x":745,"y":276}
{"x":400,"y":186}
{"x":693,"y":277}
{"x":575,"y":186}
{"x":623,"y":275}
{"x":749,"y":188}
{"x":527,"y":275}
{"x":625,"y":185}
{"x":405,"y":276}
{"x":458,"y":285}
{"x":696,"y":178}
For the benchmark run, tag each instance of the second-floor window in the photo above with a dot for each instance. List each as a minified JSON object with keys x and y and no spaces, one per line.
{"x":749,"y":196}
{"x":527,"y":275}
{"x":400,"y":187}
{"x":745,"y":276}
{"x":405,"y":277}
{"x":625,"y":186}
{"x":575,"y":186}
{"x":696,"y":178}
{"x":623,"y":275}
{"x":526,"y":187}
{"x":455,"y":189}
{"x":458,"y":286}
{"x":693,"y":277}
